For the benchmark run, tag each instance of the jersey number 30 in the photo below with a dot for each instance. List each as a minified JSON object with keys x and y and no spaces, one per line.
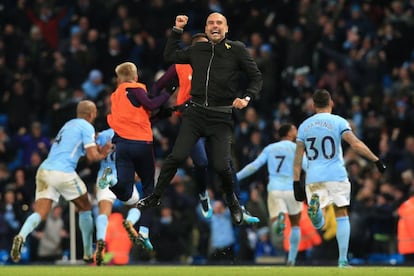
{"x":327,"y":147}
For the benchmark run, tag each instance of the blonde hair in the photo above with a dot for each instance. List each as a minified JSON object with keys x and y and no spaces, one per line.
{"x":126,"y":71}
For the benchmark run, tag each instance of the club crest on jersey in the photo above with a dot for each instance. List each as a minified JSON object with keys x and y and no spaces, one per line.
{"x":228,"y":46}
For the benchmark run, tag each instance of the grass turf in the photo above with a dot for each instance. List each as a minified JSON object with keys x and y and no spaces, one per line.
{"x":199,"y":270}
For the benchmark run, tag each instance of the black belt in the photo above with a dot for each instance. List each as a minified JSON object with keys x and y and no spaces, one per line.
{"x":222,"y":108}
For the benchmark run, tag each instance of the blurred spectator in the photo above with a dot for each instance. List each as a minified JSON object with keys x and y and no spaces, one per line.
{"x":4,"y":177}
{"x":58,"y":97}
{"x":24,"y":189}
{"x":112,"y":56}
{"x":38,"y":54}
{"x":329,"y":37}
{"x":94,"y":87}
{"x":297,"y":50}
{"x":372,"y":130}
{"x":333,"y":78}
{"x":359,"y":20}
{"x":18,"y":99}
{"x":360,"y":219}
{"x":51,"y":236}
{"x":263,"y":55}
{"x":13,"y":46}
{"x":297,"y":88}
{"x":264,"y":246}
{"x":25,"y":74}
{"x":6,"y":81}
{"x":256,"y":205}
{"x":8,"y":149}
{"x":222,"y":238}
{"x":403,"y":86}
{"x":165,"y":233}
{"x":47,"y":20}
{"x":33,"y":141}
{"x":393,"y":44}
{"x":77,"y":58}
{"x":383,"y":224}
{"x":9,"y":219}
{"x":406,"y":160}
{"x":183,"y":204}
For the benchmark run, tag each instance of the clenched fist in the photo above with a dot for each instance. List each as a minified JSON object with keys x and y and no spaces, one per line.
{"x":181,"y":21}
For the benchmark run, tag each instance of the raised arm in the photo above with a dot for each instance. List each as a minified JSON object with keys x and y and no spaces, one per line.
{"x":172,"y":52}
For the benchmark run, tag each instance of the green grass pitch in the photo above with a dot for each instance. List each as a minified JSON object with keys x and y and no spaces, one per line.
{"x":200,"y":270}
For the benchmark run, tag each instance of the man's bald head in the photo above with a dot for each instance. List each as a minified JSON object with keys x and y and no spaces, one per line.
{"x":87,"y":110}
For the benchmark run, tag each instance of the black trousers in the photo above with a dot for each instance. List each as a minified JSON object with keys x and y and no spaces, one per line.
{"x":217,"y":127}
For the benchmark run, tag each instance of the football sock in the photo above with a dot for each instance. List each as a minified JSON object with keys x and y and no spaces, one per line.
{"x":133,"y":215}
{"x":86,"y":227}
{"x":29,"y":225}
{"x":294,"y":243}
{"x":343,"y":230}
{"x":101,"y":226}
{"x":144,"y":231}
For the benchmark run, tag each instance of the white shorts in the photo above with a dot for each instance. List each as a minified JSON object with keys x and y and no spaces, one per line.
{"x":53,"y":184}
{"x":282,"y":201}
{"x":336,"y":192}
{"x":107,"y":194}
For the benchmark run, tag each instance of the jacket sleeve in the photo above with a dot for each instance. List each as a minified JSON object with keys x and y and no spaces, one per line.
{"x":251,"y":70}
{"x":172,"y":52}
{"x":138,"y":97}
{"x":168,"y":81}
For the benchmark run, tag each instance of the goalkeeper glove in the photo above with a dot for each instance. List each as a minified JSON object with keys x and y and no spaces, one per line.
{"x":380,"y":166}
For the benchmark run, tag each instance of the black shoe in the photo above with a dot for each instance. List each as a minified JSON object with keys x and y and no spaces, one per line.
{"x":16,"y":250}
{"x":152,"y":200}
{"x":100,"y":252}
{"x":88,"y":259}
{"x":236,"y":211}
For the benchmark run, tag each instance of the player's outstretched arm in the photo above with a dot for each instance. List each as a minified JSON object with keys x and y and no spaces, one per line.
{"x":359,"y":147}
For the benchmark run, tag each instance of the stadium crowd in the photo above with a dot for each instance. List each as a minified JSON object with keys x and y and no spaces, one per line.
{"x":54,"y":53}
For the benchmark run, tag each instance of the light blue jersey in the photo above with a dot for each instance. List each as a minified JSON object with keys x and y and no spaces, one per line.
{"x":69,"y":146}
{"x":322,"y":135}
{"x":103,"y":138}
{"x":279,"y":157}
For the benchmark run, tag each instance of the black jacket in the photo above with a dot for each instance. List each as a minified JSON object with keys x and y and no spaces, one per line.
{"x":216,"y":70}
